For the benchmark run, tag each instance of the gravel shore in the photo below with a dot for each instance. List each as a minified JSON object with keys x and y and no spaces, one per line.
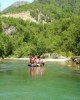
{"x":45,"y":60}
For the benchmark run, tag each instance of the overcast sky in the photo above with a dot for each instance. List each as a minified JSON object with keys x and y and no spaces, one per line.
{"x":5,"y":3}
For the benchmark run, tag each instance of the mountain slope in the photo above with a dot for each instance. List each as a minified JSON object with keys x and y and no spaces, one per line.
{"x":51,"y":8}
{"x":60,"y":35}
{"x":22,"y":15}
{"x":18,"y":3}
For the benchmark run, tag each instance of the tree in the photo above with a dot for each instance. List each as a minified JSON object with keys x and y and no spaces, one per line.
{"x":0,"y":24}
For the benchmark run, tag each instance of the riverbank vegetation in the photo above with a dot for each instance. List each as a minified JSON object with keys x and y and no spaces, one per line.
{"x":57,"y":31}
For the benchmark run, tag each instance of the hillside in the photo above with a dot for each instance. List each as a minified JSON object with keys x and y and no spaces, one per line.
{"x":59,"y":35}
{"x":43,"y":10}
{"x":18,"y":3}
{"x":22,"y":15}
{"x":50,"y":9}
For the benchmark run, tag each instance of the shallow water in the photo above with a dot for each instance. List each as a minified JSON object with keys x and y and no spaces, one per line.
{"x":58,"y":82}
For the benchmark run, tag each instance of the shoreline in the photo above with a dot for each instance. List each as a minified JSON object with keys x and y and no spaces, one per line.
{"x":45,"y":60}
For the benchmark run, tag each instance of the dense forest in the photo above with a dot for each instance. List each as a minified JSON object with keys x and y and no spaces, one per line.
{"x":56,"y":33}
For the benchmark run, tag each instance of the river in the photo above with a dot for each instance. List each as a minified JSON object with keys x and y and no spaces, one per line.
{"x":57,"y":82}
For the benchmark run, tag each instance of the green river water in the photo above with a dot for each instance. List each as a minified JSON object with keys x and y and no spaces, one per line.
{"x":58,"y":82}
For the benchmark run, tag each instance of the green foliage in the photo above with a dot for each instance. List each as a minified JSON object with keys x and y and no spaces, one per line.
{"x":6,"y":46}
{"x":59,"y":36}
{"x":0,"y":24}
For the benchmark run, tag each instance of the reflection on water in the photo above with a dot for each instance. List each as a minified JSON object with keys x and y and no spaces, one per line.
{"x":35,"y":71}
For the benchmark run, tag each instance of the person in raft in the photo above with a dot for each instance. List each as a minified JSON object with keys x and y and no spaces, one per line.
{"x":35,"y":62}
{"x":40,"y":61}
